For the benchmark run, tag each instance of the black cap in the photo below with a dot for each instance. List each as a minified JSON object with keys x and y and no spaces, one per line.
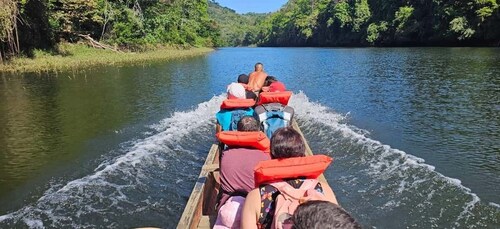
{"x":243,"y":79}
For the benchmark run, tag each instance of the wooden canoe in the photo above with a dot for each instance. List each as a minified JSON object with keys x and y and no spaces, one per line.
{"x":200,"y":208}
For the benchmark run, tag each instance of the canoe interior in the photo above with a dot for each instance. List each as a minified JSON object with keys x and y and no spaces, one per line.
{"x":200,"y":208}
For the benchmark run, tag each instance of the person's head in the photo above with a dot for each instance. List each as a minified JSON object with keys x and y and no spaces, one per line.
{"x":248,"y":123}
{"x":259,"y":67}
{"x":269,"y":80}
{"x":236,"y":91}
{"x":322,"y":214}
{"x":287,"y":142}
{"x":243,"y":78}
{"x":251,"y":95}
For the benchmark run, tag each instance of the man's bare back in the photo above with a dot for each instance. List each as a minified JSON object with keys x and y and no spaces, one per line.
{"x":257,"y":78}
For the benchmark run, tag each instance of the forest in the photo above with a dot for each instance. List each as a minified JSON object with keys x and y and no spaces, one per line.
{"x":26,"y":25}
{"x":383,"y":23}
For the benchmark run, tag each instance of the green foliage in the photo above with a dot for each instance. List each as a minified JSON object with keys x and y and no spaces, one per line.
{"x":401,"y":17}
{"x":383,"y":22}
{"x":342,"y":13}
{"x":460,"y":26}
{"x":71,"y":17}
{"x":487,"y":7}
{"x":236,"y":29}
{"x":374,"y":30}
{"x":361,"y":14}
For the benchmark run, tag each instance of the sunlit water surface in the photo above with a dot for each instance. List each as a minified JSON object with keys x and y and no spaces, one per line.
{"x":414,"y":133}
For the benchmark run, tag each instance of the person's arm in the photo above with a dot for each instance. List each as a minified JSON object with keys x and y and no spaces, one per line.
{"x":327,"y":190}
{"x":251,"y":83}
{"x":251,"y":210}
{"x":218,"y":128}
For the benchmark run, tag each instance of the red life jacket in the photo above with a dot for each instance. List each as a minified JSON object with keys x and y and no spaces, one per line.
{"x":254,"y":139}
{"x":274,"y":97}
{"x":309,"y":167}
{"x":237,"y":103}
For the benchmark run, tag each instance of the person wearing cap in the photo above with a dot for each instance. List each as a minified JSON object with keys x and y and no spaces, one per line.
{"x":236,"y":91}
{"x":243,"y":80}
{"x":224,"y":116}
{"x":257,"y":78}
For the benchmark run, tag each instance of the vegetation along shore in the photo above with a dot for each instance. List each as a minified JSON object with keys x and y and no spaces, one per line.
{"x":28,"y":26}
{"x":80,"y":56}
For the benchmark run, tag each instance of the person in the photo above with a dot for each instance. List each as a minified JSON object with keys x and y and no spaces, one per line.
{"x":273,"y":85}
{"x":228,"y":116}
{"x":237,"y":163}
{"x":237,"y":176}
{"x":236,"y":91}
{"x":257,"y":78}
{"x":243,"y":79}
{"x":316,"y":214}
{"x":259,"y":207}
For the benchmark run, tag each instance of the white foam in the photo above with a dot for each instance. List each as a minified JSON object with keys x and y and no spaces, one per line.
{"x":142,"y":151}
{"x":494,"y":205}
{"x":388,"y":161}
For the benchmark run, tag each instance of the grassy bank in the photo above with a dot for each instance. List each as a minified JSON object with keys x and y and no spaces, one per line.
{"x":80,"y":56}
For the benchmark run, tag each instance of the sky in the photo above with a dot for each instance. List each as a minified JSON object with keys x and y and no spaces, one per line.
{"x":256,"y":6}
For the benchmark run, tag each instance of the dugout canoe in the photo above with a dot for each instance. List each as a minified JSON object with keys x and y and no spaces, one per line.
{"x":200,"y":208}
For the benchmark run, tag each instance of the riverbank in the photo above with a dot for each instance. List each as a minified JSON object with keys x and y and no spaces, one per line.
{"x":80,"y":56}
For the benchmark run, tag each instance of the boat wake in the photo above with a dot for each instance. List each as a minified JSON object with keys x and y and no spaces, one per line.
{"x":126,"y":185}
{"x":149,"y":183}
{"x":391,"y":182}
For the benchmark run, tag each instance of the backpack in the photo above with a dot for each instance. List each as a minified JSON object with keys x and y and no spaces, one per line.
{"x":236,"y":115}
{"x":229,"y":118}
{"x":273,"y":116}
{"x":289,"y":199}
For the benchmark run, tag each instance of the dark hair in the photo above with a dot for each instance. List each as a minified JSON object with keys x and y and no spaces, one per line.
{"x":287,"y":142}
{"x":322,"y":214}
{"x":269,"y":80}
{"x":248,"y":123}
{"x":251,"y":95}
{"x":243,"y":78}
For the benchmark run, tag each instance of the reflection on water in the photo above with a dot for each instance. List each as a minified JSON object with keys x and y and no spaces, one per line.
{"x":414,"y":132}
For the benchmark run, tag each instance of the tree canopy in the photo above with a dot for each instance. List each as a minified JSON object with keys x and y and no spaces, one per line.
{"x":135,"y":24}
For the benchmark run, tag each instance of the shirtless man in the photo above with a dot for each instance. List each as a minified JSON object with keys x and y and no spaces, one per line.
{"x":257,"y":78}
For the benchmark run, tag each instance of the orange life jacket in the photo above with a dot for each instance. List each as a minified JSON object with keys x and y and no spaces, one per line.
{"x":309,"y":167}
{"x":274,"y":97}
{"x":237,"y":103}
{"x":254,"y":139}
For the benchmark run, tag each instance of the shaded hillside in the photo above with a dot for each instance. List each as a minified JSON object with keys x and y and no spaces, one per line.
{"x":236,"y":29}
{"x":383,"y":23}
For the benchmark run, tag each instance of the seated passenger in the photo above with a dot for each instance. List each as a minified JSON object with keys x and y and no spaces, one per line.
{"x":277,"y":87}
{"x":236,"y":91}
{"x":243,"y":79}
{"x":257,"y":78}
{"x":237,"y":163}
{"x":237,"y":176}
{"x":273,"y":85}
{"x":322,"y":214}
{"x":235,"y":107}
{"x":287,"y":145}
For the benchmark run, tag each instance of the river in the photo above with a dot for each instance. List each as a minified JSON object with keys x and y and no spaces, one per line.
{"x":414,"y":133}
